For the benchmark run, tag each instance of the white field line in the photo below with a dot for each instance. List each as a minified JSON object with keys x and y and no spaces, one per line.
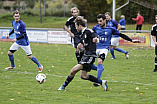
{"x":66,"y":76}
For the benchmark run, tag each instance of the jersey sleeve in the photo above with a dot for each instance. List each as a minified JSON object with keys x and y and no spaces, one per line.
{"x":153,"y":32}
{"x":115,"y":23}
{"x":114,"y":31}
{"x":23,"y":28}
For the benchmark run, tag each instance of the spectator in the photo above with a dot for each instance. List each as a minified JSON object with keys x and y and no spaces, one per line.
{"x":139,"y":21}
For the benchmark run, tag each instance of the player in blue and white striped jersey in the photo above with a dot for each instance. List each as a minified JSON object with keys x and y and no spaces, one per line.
{"x":21,"y":41}
{"x":154,"y":36}
{"x":104,"y":33}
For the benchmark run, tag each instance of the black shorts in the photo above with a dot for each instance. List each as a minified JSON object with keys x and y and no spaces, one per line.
{"x":87,"y":62}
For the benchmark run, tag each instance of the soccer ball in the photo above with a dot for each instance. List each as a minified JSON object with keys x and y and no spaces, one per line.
{"x":41,"y":78}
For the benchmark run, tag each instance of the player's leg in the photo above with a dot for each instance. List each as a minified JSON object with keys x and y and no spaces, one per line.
{"x":28,"y":52}
{"x":111,"y":48}
{"x":155,"y":70}
{"x":94,"y":67}
{"x":73,"y":71}
{"x":14,"y":47}
{"x":77,"y":54}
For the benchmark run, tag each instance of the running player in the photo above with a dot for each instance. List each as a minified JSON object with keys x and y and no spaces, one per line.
{"x":73,"y":32}
{"x":104,"y":34}
{"x":88,"y":41}
{"x":20,"y":41}
{"x":115,"y":38}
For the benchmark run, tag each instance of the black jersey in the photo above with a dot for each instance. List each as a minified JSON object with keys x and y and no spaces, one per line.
{"x":71,"y":22}
{"x":87,"y":40}
{"x":154,"y":30}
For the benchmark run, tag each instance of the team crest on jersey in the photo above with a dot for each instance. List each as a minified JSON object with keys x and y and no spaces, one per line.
{"x":106,"y":33}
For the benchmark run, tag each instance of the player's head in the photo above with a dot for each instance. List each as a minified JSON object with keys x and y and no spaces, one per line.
{"x":122,"y":16}
{"x":108,"y":16}
{"x":101,"y":18}
{"x":75,"y":11}
{"x":16,"y":16}
{"x":139,"y":13}
{"x":80,"y":23}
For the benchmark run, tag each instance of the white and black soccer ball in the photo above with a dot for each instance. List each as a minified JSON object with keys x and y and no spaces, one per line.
{"x":41,"y":78}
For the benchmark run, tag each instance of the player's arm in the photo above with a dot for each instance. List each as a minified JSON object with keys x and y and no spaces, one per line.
{"x":67,"y":29}
{"x":128,"y":39}
{"x":119,"y":27}
{"x":12,"y":31}
{"x":153,"y":33}
{"x":22,"y":36}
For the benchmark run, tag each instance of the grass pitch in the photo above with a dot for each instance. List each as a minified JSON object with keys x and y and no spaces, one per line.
{"x":130,"y":81}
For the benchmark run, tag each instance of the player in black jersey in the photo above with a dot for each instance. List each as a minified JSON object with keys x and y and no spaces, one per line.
{"x":73,"y":32}
{"x":88,"y":44}
{"x":154,"y":35}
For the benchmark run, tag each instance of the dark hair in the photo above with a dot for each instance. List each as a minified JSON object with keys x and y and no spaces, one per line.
{"x":16,"y":12}
{"x":101,"y":16}
{"x":81,"y":21}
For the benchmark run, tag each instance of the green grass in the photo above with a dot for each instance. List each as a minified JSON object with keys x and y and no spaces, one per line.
{"x":123,"y":76}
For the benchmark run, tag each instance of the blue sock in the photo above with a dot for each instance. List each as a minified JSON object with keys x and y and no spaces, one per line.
{"x":120,"y":50}
{"x":35,"y":61}
{"x":94,"y":67}
{"x":11,"y":58}
{"x":112,"y":53}
{"x":99,"y":70}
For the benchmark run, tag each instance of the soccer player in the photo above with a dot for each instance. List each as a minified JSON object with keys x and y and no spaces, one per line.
{"x":21,"y":41}
{"x":104,"y":33}
{"x":154,"y":36}
{"x":115,"y":38}
{"x":87,"y":43}
{"x":122,"y":22}
{"x":73,"y":32}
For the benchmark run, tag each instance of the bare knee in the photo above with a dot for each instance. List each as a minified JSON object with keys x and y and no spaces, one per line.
{"x":100,"y":61}
{"x":30,"y":56}
{"x":83,"y":77}
{"x":10,"y":53}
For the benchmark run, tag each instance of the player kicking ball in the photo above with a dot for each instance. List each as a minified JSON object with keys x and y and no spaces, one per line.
{"x":21,"y":41}
{"x":88,"y":41}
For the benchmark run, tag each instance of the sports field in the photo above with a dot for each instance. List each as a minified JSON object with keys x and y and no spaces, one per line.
{"x":130,"y":81}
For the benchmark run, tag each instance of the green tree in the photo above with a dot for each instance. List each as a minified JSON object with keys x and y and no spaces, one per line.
{"x":91,"y":8}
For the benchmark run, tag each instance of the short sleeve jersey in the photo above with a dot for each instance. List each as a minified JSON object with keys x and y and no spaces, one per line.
{"x":154,"y":30}
{"x":113,"y":24}
{"x":104,"y":35}
{"x":87,"y":40}
{"x":19,"y":29}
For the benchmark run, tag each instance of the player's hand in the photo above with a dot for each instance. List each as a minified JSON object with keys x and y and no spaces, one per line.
{"x":155,"y":43}
{"x":14,"y":40}
{"x":7,"y":37}
{"x":72,"y":35}
{"x":95,"y":40}
{"x":136,"y":41}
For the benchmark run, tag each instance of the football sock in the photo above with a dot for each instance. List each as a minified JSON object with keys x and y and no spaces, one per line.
{"x":120,"y":50}
{"x":11,"y":58}
{"x":94,"y":67}
{"x":77,"y":56}
{"x":94,"y":79}
{"x":99,"y":71}
{"x":112,"y":53}
{"x":68,"y":80}
{"x":35,"y":61}
{"x":155,"y":62}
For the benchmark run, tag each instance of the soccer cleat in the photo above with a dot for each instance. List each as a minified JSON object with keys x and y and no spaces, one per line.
{"x":41,"y":68}
{"x":154,"y":70}
{"x":112,"y":58}
{"x":61,"y":88}
{"x":104,"y":85}
{"x":127,"y":55}
{"x":9,"y":67}
{"x":96,"y":84}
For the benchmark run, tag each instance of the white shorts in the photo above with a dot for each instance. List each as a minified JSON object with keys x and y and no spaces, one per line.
{"x":101,"y":51}
{"x":16,"y":47}
{"x":115,"y":41}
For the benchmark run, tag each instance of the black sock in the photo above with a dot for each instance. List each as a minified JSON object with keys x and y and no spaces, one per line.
{"x":68,"y":80}
{"x":92,"y":78}
{"x":77,"y":56}
{"x":155,"y":62}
